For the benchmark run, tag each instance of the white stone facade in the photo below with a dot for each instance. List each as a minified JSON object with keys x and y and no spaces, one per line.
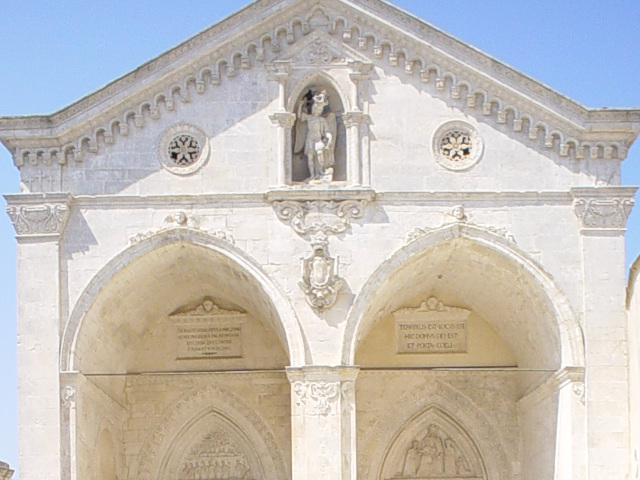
{"x":446,"y":299}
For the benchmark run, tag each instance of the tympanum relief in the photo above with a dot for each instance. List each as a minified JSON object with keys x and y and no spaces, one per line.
{"x":433,"y":454}
{"x":217,"y":457}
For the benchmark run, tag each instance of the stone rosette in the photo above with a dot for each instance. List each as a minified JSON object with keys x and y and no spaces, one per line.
{"x":183,"y":149}
{"x":457,"y":145}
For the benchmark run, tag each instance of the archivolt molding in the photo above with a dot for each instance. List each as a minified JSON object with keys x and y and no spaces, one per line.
{"x":286,"y":314}
{"x":161,"y":443}
{"x":570,"y":332}
{"x":524,"y":106}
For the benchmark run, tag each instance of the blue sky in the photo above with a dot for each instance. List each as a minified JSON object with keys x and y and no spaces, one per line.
{"x":54,"y":53}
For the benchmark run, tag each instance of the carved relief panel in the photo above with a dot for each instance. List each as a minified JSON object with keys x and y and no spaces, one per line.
{"x":217,"y":457}
{"x":433,"y":446}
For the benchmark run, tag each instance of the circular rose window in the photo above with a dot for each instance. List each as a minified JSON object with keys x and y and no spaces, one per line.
{"x":183,"y":149}
{"x":457,"y":145}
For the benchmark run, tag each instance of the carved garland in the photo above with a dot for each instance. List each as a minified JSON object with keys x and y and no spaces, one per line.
{"x":501,"y":105}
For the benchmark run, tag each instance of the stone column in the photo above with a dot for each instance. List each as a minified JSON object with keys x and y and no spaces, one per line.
{"x":38,"y":220}
{"x":322,"y":411}
{"x":603,"y":212}
{"x":285,"y":122}
{"x":353,"y":122}
{"x":570,"y":457}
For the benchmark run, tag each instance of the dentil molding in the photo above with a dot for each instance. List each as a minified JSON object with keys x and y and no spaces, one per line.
{"x":525,"y":107}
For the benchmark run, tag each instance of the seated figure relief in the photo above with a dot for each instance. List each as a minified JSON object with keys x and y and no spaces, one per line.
{"x":315,"y":135}
{"x":434,"y":455}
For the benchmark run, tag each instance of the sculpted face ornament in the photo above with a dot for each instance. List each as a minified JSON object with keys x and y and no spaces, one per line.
{"x":316,"y":130}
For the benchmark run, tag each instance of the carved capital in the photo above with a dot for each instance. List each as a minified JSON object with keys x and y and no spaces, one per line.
{"x":283,"y":119}
{"x":603,"y":208}
{"x":322,"y":390}
{"x":355,"y":119}
{"x":38,"y":215}
{"x":68,"y":396}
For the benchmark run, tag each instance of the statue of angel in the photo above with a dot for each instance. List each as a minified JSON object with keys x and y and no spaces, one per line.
{"x":316,"y":131}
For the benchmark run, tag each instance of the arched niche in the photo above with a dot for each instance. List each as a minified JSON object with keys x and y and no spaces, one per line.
{"x":210,"y":423}
{"x":313,"y":84}
{"x":433,"y":445}
{"x":212,"y":446}
{"x":475,"y":269}
{"x":116,"y":324}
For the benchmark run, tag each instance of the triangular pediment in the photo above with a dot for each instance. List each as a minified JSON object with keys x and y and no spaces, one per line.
{"x":319,"y":49}
{"x":320,"y":33}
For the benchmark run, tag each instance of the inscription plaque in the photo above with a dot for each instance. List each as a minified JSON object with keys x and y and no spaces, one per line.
{"x":433,"y":327}
{"x":208,"y":331}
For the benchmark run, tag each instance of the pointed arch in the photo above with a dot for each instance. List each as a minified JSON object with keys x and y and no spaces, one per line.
{"x":563,"y":321}
{"x":288,"y":329}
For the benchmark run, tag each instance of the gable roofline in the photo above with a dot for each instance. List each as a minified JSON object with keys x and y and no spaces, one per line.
{"x":582,"y":123}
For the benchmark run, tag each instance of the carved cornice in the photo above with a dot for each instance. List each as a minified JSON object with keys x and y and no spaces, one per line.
{"x":603,"y":208}
{"x":38,"y":215}
{"x":414,"y":48}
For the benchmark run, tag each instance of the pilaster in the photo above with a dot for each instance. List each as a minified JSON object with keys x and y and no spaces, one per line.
{"x":603,"y":212}
{"x":323,"y":411}
{"x":39,"y":220}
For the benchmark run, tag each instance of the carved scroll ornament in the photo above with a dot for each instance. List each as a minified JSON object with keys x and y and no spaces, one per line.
{"x":331,"y":217}
{"x":318,"y":395}
{"x":38,"y":219}
{"x":603,"y":212}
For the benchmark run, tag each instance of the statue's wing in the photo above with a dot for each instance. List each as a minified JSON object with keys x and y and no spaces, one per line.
{"x":333,"y":126}
{"x":300,"y":132}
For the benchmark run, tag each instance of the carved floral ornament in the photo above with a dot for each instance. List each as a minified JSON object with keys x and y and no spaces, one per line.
{"x":457,"y":145}
{"x":183,"y":149}
{"x":411,"y":55}
{"x":319,"y":396}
